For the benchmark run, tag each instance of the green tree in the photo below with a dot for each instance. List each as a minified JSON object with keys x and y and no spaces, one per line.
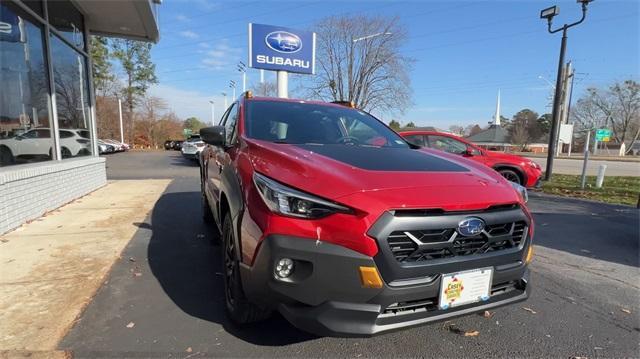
{"x":544,"y":123}
{"x":395,"y":125}
{"x":410,"y":125}
{"x":135,"y":59}
{"x":194,"y":124}
{"x":104,"y":80}
{"x":524,"y":128}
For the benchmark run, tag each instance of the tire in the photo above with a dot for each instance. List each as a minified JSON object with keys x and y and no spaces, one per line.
{"x":238,"y":308}
{"x":6,"y":157}
{"x":511,"y":175}
{"x":65,"y":153}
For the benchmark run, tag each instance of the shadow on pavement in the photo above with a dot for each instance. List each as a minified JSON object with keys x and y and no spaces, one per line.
{"x":589,"y":229}
{"x":186,"y":260}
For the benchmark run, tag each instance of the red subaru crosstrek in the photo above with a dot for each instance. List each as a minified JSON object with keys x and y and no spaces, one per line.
{"x":330,"y":217}
{"x":515,"y":168}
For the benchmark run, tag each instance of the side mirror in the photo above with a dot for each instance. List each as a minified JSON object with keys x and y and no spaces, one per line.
{"x":467,"y":153}
{"x":214,"y":136}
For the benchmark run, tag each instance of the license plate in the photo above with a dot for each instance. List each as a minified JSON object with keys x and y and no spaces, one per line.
{"x":465,"y":287}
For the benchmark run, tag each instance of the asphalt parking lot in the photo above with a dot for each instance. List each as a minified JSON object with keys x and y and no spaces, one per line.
{"x":585,"y":300}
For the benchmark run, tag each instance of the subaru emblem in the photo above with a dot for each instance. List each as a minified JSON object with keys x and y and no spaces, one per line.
{"x":471,"y":226}
{"x":283,"y":41}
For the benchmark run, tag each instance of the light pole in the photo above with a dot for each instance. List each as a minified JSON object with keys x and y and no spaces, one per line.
{"x":225,"y":101}
{"x":548,"y":14}
{"x":232,"y":84}
{"x":213,"y":113}
{"x":243,"y":69}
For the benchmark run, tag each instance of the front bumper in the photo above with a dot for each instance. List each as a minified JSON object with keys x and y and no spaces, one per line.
{"x":325,"y":296}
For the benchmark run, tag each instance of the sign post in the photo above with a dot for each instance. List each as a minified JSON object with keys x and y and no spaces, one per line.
{"x":283,"y":50}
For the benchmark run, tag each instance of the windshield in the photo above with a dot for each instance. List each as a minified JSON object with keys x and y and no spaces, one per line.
{"x":298,"y":123}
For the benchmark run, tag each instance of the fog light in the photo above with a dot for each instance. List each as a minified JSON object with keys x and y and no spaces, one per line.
{"x":284,"y":268}
{"x":370,"y":277}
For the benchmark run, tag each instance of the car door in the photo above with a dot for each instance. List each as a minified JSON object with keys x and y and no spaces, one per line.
{"x":35,"y":142}
{"x":213,"y":166}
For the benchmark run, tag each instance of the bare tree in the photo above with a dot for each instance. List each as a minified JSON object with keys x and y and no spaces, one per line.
{"x":524,"y":128}
{"x":266,"y":88}
{"x":617,"y":108}
{"x":359,"y":60}
{"x":456,"y":130}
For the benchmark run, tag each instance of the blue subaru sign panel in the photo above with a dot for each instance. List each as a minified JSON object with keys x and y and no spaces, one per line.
{"x":281,"y":48}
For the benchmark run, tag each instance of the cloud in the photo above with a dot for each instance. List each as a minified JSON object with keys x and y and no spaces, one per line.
{"x":221,"y":56}
{"x":182,"y":18}
{"x":189,"y":34}
{"x":189,"y":103}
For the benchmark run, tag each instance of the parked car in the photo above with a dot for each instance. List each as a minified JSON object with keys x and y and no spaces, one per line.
{"x":120,"y":146}
{"x":177,"y":145}
{"x":514,"y":168}
{"x":168,"y":144}
{"x":192,"y":147}
{"x":635,"y":148}
{"x":333,"y":219}
{"x":104,"y":147}
{"x":37,"y":143}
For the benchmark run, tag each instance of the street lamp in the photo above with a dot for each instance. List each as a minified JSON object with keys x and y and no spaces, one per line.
{"x":225,"y":101}
{"x":232,"y":84}
{"x":213,"y":113}
{"x":549,"y":13}
{"x":243,"y":69}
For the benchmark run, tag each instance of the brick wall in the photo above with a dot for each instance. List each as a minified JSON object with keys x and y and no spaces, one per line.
{"x":29,"y":191}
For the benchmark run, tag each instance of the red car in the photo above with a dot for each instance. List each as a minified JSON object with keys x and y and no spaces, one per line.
{"x":516,"y":169}
{"x":331,"y":218}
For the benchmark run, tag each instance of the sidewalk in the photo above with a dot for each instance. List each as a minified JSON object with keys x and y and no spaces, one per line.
{"x":51,"y":268}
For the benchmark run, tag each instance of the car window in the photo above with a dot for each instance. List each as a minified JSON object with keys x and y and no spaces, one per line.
{"x":65,"y":134}
{"x":417,"y":140}
{"x":230,"y":125}
{"x":447,"y":144}
{"x":30,"y":134}
{"x":300,"y":122}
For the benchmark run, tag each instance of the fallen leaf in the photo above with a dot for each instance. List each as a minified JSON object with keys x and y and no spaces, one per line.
{"x":473,"y":333}
{"x":487,"y":314}
{"x":131,"y":259}
{"x":530,"y":310}
{"x":131,"y":325}
{"x":137,"y":274}
{"x":626,"y":310}
{"x":189,"y":350}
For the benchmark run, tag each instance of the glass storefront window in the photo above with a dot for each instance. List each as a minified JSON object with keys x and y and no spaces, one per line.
{"x":24,"y":102}
{"x":72,"y":99}
{"x":64,"y":17}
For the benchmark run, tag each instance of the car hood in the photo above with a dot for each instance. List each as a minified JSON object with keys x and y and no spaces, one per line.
{"x":507,"y":157}
{"x":385,"y":177}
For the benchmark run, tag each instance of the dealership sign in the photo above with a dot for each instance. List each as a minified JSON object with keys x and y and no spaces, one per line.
{"x":282,"y":49}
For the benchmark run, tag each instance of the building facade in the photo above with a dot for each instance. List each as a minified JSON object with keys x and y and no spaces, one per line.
{"x":48,"y":144}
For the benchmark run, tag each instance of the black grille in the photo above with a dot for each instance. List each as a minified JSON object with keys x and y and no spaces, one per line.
{"x":421,"y":245}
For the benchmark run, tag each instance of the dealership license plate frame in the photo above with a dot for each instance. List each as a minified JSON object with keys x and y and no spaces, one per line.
{"x":480,"y":289}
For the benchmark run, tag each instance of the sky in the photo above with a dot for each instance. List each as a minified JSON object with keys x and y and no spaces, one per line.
{"x":464,"y":51}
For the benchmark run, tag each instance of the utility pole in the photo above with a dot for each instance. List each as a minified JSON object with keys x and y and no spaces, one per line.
{"x":548,"y":14}
{"x":225,"y":101}
{"x":120,"y":115}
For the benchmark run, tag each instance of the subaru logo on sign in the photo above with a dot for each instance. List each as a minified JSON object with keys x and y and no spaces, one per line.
{"x":470,"y":226}
{"x":283,"y":41}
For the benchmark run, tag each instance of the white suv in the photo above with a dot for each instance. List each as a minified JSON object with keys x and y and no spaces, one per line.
{"x":36,"y":144}
{"x":192,"y":147}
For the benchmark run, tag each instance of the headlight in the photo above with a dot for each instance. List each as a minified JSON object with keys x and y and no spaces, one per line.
{"x":522,"y":191}
{"x":290,"y":202}
{"x":535,"y":165}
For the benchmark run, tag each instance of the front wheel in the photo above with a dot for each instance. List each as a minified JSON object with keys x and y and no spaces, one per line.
{"x":238,"y":308}
{"x":6,"y":157}
{"x":511,"y":176}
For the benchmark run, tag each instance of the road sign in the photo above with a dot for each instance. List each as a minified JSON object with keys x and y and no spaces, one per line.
{"x":187,"y":132}
{"x":282,"y":49}
{"x":603,"y":135}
